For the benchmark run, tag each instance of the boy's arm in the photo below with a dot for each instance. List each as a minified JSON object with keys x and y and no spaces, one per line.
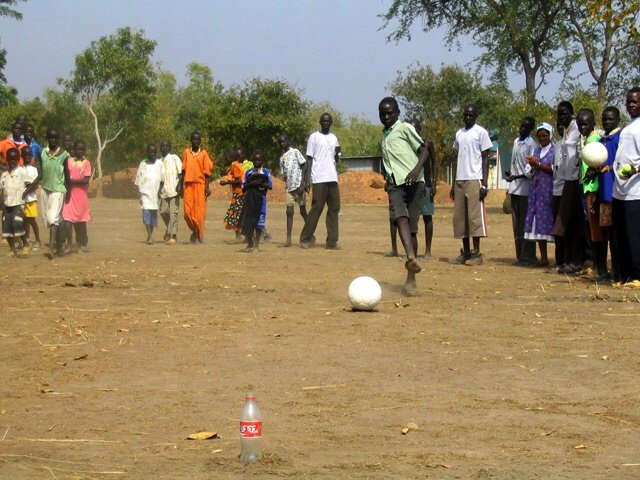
{"x":412,"y":176}
{"x":485,"y":174}
{"x":307,"y":177}
{"x":434,"y":169}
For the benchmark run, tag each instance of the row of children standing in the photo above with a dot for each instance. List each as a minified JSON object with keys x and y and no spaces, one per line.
{"x":62,"y":172}
{"x":163,"y":180}
{"x":557,"y":197}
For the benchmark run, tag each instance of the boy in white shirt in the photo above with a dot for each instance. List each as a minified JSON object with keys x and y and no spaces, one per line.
{"x":626,"y":194}
{"x":15,"y":185}
{"x":470,"y":187}
{"x":170,"y":193}
{"x":323,"y":153}
{"x":148,"y":180}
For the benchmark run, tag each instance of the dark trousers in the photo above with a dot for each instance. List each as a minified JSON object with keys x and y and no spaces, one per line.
{"x":323,"y":193}
{"x":525,"y":249}
{"x":626,"y":239}
{"x":559,"y":241}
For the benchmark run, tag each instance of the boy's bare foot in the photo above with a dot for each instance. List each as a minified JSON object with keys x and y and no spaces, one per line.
{"x":49,"y":254}
{"x":12,"y":254}
{"x":248,"y":250}
{"x":410,"y":289}
{"x":304,"y":245}
{"x":426,"y":256}
{"x":192,"y":238}
{"x":149,"y":241}
{"x":287,"y":243}
{"x":412,"y":265}
{"x":391,"y":253}
{"x":166,"y":237}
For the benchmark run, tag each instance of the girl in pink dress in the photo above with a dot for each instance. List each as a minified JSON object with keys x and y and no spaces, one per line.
{"x":76,"y":210}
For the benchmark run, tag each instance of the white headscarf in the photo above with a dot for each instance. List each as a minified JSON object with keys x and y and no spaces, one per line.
{"x":546,"y":126}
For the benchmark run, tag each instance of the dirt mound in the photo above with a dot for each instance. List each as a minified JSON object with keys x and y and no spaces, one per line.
{"x":359,"y":186}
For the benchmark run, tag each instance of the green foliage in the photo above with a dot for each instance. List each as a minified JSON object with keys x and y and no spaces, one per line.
{"x":605,"y":34}
{"x":8,"y":95}
{"x":359,"y":137}
{"x":516,"y":35}
{"x":192,"y":100}
{"x":252,"y":115}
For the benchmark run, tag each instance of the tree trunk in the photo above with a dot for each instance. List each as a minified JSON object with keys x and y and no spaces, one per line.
{"x":530,"y":82}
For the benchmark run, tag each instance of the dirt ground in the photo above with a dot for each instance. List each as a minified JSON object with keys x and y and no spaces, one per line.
{"x":109,"y":360}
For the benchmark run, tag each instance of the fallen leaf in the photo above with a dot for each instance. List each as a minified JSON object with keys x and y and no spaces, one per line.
{"x":82,"y":357}
{"x":405,"y":430}
{"x":202,"y":436}
{"x":155,"y":321}
{"x":123,"y":330}
{"x":105,"y":350}
{"x":580,"y":447}
{"x":412,"y":426}
{"x":217,"y":450}
{"x":604,"y":357}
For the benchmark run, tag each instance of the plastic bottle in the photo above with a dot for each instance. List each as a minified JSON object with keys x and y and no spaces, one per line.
{"x":250,"y":431}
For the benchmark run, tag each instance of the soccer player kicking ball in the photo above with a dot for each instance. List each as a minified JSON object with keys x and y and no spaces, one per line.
{"x":404,"y":156}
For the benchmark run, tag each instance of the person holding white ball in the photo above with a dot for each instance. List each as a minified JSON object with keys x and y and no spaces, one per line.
{"x":626,"y":194}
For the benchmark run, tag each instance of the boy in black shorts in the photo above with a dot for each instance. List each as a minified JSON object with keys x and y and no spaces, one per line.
{"x":404,"y":156}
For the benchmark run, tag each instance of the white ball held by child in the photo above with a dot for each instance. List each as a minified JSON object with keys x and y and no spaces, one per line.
{"x":364,"y":294}
{"x":594,"y":154}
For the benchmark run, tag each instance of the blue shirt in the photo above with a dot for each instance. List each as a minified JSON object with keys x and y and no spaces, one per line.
{"x":606,"y":180}
{"x":35,"y":149}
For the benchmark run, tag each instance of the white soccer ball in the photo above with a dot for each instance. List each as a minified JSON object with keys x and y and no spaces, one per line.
{"x":364,"y":294}
{"x":594,"y":154}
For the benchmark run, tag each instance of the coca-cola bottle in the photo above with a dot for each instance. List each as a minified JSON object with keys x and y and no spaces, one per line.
{"x":250,"y":430}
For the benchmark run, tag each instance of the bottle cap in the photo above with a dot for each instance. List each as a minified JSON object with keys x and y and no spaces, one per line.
{"x":250,"y":396}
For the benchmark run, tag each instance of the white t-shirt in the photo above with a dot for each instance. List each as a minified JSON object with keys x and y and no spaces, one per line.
{"x":171,"y":169}
{"x":32,"y":174}
{"x":521,"y":149}
{"x":148,"y":181}
{"x":628,"y":152}
{"x":13,"y":185}
{"x":322,"y":148}
{"x":470,"y":145}
{"x":568,"y":167}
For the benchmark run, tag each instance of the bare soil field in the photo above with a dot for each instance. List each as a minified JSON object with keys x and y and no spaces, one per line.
{"x":109,"y":360}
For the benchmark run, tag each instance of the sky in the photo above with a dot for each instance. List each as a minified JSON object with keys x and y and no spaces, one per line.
{"x":333,"y":50}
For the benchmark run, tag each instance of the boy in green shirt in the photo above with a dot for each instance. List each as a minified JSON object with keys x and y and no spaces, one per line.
{"x":404,"y":156}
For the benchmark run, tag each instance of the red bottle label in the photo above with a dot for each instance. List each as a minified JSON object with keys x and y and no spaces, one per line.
{"x":250,"y":429}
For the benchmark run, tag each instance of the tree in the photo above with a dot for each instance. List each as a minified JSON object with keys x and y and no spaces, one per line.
{"x":606,"y":32}
{"x":359,"y":137}
{"x":202,"y":90}
{"x":518,"y":35}
{"x":113,"y":78}
{"x":253,"y":115}
{"x":7,"y":11}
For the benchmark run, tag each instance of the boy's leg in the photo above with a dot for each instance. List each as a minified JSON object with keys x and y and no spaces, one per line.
{"x":544,"y":258}
{"x":460,"y":221}
{"x":256,"y":243}
{"x":53,"y":236}
{"x":27,"y":228}
{"x":428,"y":235}
{"x":320,"y":192}
{"x":333,"y":211}
{"x":12,"y":245}
{"x":165,"y":215}
{"x":289,"y":211}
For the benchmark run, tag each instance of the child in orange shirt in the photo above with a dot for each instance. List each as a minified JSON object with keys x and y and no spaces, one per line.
{"x":234,"y":177}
